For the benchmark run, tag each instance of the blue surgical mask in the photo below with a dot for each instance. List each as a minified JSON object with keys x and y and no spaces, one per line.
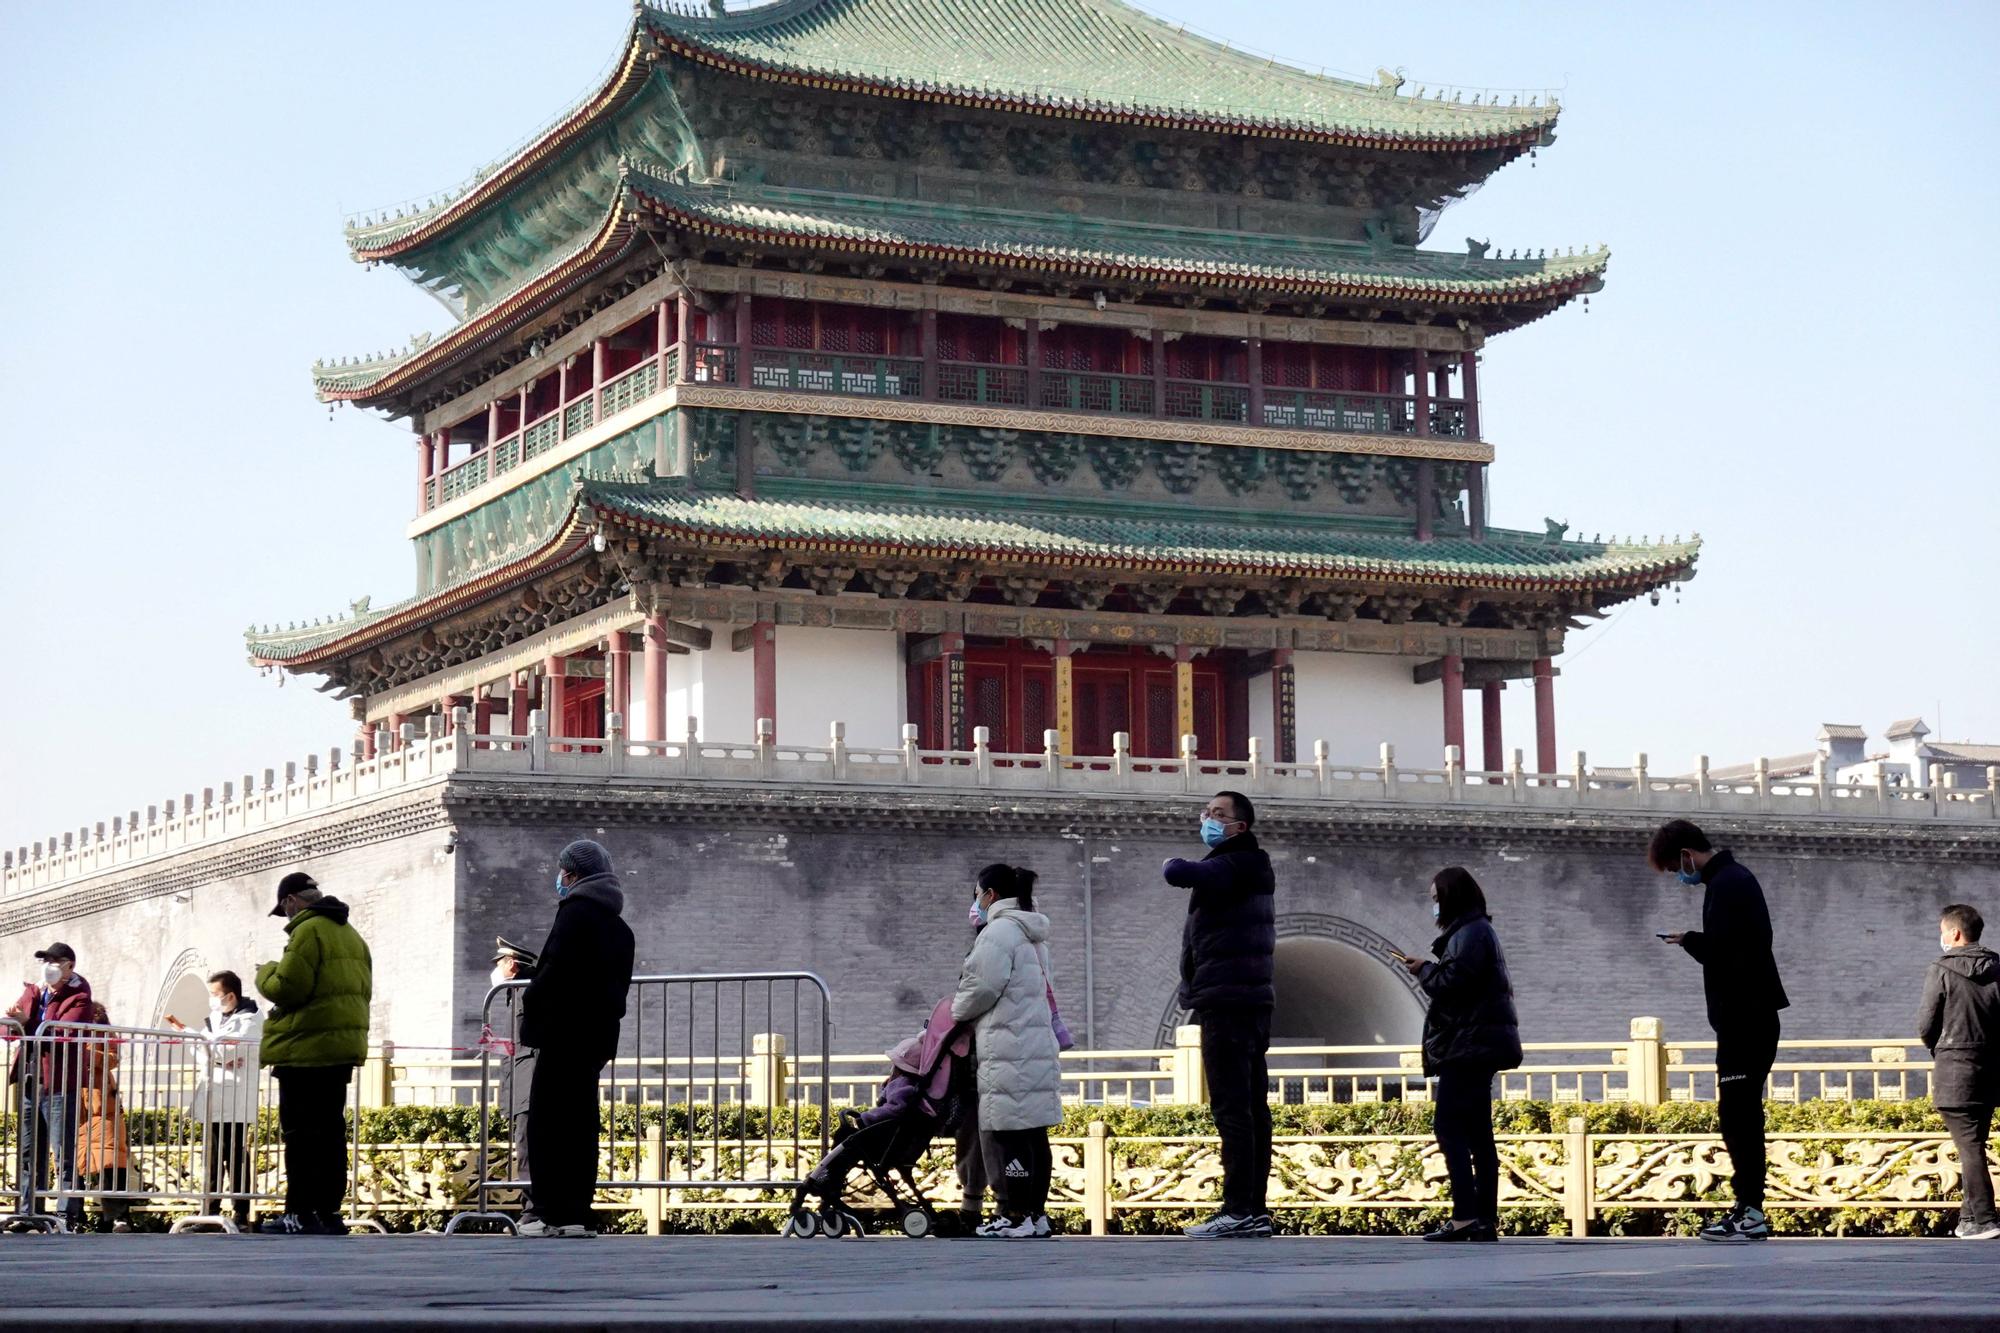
{"x":979,"y":917}
{"x":1434,"y":911}
{"x":562,"y":889}
{"x":1212,"y":832}
{"x":1691,"y":878}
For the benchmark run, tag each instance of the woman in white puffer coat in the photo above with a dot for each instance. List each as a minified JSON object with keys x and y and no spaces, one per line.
{"x":1003,"y":989}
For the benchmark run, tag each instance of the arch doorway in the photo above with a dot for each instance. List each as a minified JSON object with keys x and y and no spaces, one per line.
{"x":185,"y":995}
{"x":1337,"y":992}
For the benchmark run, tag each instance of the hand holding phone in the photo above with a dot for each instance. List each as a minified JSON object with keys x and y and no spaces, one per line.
{"x":1671,"y":937}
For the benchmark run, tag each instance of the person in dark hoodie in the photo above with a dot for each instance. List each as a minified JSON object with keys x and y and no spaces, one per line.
{"x":1739,"y":979}
{"x":571,"y":1014}
{"x":314,"y":1038}
{"x":1960,"y":1023}
{"x":1229,"y":945}
{"x":1470,"y":1034}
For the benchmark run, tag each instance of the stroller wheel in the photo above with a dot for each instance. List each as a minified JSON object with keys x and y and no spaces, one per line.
{"x":801,"y":1226}
{"x":833,"y":1223}
{"x":916,"y":1224}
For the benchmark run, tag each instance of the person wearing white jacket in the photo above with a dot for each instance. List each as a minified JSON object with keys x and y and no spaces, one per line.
{"x":225,"y":1093}
{"x":1003,"y":989}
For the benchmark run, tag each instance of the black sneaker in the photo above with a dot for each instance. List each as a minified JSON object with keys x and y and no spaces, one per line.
{"x":332,"y":1224}
{"x":1740,"y":1223}
{"x":291,"y":1224}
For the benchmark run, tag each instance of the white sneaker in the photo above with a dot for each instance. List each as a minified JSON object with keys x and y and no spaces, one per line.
{"x":534,"y":1226}
{"x":1002,"y":1228}
{"x":1042,"y":1228}
{"x":1987,"y":1232}
{"x":572,"y":1232}
{"x":992,"y":1226}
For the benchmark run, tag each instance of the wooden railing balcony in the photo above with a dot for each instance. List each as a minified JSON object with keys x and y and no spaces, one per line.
{"x":978,"y":383}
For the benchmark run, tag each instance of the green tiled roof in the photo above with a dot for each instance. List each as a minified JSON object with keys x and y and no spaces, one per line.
{"x":1079,"y":57}
{"x":1065,"y":240}
{"x":1132,"y":540}
{"x":1047,"y":241}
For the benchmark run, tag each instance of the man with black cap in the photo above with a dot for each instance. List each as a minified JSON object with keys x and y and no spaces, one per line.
{"x":51,"y":1082}
{"x":511,"y":962}
{"x":570,"y":1014}
{"x":315,"y":1037}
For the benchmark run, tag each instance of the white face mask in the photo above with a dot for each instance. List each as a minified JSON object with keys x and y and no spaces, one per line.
{"x":215,"y":1005}
{"x":52,"y":974}
{"x":500,"y":977}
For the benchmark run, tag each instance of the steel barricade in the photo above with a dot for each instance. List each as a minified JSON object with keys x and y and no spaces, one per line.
{"x":703,"y":1095}
{"x":15,"y":1146}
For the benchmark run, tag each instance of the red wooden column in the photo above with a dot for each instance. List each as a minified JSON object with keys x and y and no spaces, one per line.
{"x":1454,"y":701}
{"x":1159,"y":372}
{"x":396,"y":721}
{"x":482,"y":717}
{"x":927,"y":348}
{"x":1468,"y":387}
{"x":683,"y":333}
{"x":1284,"y":707}
{"x":1492,"y":743}
{"x":743,"y":326}
{"x":764,"y":673}
{"x":1031,"y":353}
{"x":618,"y":677}
{"x":1426,"y":470}
{"x":554,"y":694}
{"x":654,"y":661}
{"x":519,"y":703}
{"x":663,"y":319}
{"x":1545,"y":715}
{"x":1255,"y":348}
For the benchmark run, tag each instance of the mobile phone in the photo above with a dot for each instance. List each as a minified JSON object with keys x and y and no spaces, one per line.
{"x":1665,"y":935}
{"x":1400,"y":956}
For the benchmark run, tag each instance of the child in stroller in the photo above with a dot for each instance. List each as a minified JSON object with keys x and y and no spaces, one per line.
{"x":922,"y":1098}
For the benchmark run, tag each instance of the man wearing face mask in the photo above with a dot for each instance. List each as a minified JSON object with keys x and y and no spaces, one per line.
{"x":570,"y":1014}
{"x":314,"y":1038}
{"x":50,"y":1084}
{"x":225,"y":1095}
{"x":1739,"y":980}
{"x":1229,"y":945}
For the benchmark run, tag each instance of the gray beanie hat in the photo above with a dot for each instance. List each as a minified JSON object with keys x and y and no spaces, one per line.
{"x":584,"y":858}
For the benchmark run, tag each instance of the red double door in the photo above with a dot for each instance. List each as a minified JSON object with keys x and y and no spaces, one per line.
{"x":1011,"y":689}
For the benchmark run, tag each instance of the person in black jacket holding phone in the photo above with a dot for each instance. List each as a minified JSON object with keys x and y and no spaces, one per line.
{"x":1739,"y":979}
{"x":570,"y":1014}
{"x":1470,"y":1034}
{"x":1960,"y":1023}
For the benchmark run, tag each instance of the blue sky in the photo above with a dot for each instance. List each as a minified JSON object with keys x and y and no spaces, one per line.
{"x":1788,"y":357}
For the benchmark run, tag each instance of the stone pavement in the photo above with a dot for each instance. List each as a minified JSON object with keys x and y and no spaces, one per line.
{"x":619,"y":1283}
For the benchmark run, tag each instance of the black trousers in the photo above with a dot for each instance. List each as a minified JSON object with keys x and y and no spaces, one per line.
{"x":563,"y":1135}
{"x":229,"y":1155}
{"x":312,"y":1105}
{"x":1743,"y":1058}
{"x":1233,"y":1046}
{"x":1969,"y":1126}
{"x":1462,"y":1119}
{"x":1018,"y":1165}
{"x":971,"y":1160}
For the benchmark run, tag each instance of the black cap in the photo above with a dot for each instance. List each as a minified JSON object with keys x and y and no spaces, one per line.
{"x":57,"y":953}
{"x":504,"y":948}
{"x":584,"y":858}
{"x":296,"y":882}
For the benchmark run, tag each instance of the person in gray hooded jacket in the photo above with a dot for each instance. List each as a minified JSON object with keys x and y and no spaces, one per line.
{"x":1960,"y":1023}
{"x":1003,"y":989}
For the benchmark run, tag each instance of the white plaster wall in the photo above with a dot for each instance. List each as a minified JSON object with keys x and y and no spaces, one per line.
{"x":717,"y":688}
{"x":1263,"y":718}
{"x":1356,"y":701}
{"x":849,"y":675}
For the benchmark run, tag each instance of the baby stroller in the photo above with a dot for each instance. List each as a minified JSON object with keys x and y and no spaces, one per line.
{"x":923,"y":1098}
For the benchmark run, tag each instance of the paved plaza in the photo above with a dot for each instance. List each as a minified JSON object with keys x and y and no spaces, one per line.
{"x":153,"y":1282}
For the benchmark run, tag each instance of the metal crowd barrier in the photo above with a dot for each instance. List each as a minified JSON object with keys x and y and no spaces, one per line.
{"x":125,"y":1117}
{"x":702,"y":1095}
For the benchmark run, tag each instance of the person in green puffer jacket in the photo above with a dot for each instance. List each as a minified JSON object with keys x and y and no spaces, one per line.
{"x":316,"y":1034}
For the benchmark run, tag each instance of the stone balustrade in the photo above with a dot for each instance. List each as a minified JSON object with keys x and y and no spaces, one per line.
{"x":421,"y":756}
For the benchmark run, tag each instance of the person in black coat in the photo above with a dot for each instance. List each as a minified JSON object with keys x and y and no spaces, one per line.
{"x":1470,"y":1035}
{"x":1960,"y":1023}
{"x":570,"y":1014}
{"x":1739,"y":979}
{"x":1229,"y":947}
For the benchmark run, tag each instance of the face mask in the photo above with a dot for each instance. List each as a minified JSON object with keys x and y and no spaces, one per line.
{"x":1434,"y":911}
{"x":979,"y":917}
{"x":500,"y":978}
{"x":1691,"y":878}
{"x":1213,"y":832}
{"x":214,"y":1006}
{"x":51,"y":974}
{"x":562,"y":889}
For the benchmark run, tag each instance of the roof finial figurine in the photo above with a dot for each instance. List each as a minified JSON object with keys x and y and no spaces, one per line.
{"x":1477,"y":249}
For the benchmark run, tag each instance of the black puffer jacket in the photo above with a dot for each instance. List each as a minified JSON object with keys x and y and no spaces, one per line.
{"x":1230,"y":941}
{"x":1960,"y":1022}
{"x":573,"y":1007}
{"x":1471,"y":1022}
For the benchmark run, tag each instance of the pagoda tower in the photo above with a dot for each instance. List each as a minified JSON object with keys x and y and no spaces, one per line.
{"x":1033,"y":365}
